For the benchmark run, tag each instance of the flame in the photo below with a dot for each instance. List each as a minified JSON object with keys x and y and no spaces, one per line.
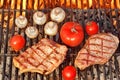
{"x":43,"y":4}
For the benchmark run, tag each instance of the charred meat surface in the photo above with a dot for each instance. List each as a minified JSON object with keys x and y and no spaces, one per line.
{"x":98,"y":49}
{"x":43,"y":57}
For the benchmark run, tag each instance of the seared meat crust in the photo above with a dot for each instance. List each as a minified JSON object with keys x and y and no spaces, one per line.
{"x":98,"y":49}
{"x":43,"y":57}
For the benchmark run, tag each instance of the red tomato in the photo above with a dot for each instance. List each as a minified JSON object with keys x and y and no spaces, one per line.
{"x":72,"y":34}
{"x":69,"y":73}
{"x":92,"y":28}
{"x":17,"y":42}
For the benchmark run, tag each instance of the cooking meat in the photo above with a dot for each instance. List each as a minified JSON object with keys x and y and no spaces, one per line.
{"x":43,"y":57}
{"x":98,"y":49}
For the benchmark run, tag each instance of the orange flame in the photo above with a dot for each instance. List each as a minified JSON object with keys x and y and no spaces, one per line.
{"x":43,"y":4}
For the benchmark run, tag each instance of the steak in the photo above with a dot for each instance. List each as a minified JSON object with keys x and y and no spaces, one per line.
{"x":98,"y":49}
{"x":43,"y":57}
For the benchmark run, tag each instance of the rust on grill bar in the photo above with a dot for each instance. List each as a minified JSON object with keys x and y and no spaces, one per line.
{"x":105,"y":12}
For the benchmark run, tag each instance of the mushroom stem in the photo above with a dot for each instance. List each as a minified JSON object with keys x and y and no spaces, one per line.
{"x":57,"y":11}
{"x":22,"y":19}
{"x":40,"y":14}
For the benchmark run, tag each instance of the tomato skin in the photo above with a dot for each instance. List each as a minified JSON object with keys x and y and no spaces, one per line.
{"x":92,"y":28}
{"x":17,"y":42}
{"x":69,"y":73}
{"x":72,"y":34}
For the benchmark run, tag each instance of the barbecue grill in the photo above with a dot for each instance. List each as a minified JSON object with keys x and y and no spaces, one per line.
{"x":108,"y":18}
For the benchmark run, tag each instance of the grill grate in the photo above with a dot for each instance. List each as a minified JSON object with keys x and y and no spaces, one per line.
{"x":108,"y":20}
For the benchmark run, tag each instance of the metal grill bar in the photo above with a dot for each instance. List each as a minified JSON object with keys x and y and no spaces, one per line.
{"x":88,"y":71}
{"x":6,"y":46}
{"x":105,"y":19}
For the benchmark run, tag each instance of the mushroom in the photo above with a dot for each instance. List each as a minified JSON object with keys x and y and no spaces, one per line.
{"x":39,"y":18}
{"x":21,"y":21}
{"x":51,"y":28}
{"x":57,"y":14}
{"x":31,"y":32}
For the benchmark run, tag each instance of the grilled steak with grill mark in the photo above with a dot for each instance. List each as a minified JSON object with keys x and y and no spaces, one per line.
{"x":43,"y":57}
{"x":98,"y":49}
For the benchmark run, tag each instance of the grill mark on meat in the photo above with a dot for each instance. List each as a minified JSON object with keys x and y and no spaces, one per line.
{"x":92,"y":55}
{"x":109,"y":40}
{"x":28,"y":59}
{"x":40,"y":63}
{"x":52,"y":43}
{"x":100,"y":52}
{"x":51,"y":46}
{"x":35,"y":52}
{"x":47,"y":56}
{"x":42,"y":51}
{"x":88,"y":61}
{"x":51,"y":62}
{"x":50,"y":57}
{"x":43,"y":59}
{"x":88,"y":54}
{"x":55,"y":59}
{"x":85,"y":60}
{"x":102,"y":39}
{"x":35,"y":58}
{"x":23,"y":57}
{"x":38,"y":48}
{"x":112,"y":39}
{"x":102,"y":46}
{"x":53,"y":50}
{"x":20,"y":63}
{"x":96,"y":37}
{"x":99,"y":43}
{"x":80,"y":61}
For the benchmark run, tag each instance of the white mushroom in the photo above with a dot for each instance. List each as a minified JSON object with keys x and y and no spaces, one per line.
{"x":21,"y":21}
{"x":39,"y":18}
{"x":31,"y":32}
{"x":57,"y":14}
{"x":51,"y":28}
